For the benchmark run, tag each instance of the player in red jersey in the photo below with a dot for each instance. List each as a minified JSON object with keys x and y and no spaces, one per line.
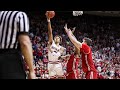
{"x":72,"y":66}
{"x":86,"y":54}
{"x":73,"y":60}
{"x":72,"y":63}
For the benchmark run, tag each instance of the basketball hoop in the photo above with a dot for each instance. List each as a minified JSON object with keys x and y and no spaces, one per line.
{"x":77,"y":13}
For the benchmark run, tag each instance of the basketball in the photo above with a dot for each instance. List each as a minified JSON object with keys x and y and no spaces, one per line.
{"x":50,"y":14}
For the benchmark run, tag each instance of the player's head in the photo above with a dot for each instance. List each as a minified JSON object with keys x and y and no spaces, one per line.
{"x":87,"y":40}
{"x":58,"y":39}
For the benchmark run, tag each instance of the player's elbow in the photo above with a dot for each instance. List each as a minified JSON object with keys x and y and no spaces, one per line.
{"x":77,"y":45}
{"x":24,"y":41}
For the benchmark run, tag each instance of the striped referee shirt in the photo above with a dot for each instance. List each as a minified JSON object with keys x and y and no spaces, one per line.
{"x":12,"y":23}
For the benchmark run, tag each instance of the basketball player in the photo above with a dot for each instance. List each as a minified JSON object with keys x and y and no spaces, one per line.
{"x":55,"y":50}
{"x":72,"y":63}
{"x":86,"y":54}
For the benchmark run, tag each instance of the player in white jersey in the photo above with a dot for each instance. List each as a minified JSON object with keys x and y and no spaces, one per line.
{"x":55,"y":50}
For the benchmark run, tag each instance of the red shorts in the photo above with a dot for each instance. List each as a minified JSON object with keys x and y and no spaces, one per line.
{"x":91,"y":75}
{"x":72,"y":75}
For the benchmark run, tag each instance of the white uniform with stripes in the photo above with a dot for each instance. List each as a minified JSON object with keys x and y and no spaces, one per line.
{"x":54,"y":65}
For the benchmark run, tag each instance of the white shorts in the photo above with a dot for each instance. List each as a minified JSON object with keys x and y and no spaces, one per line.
{"x":55,"y":69}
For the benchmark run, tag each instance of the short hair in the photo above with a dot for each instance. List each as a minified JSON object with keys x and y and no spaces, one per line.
{"x":59,"y":37}
{"x":87,"y":40}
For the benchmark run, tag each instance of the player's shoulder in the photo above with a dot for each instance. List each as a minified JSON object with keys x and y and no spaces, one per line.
{"x":53,"y":42}
{"x":84,"y":45}
{"x":85,"y":48}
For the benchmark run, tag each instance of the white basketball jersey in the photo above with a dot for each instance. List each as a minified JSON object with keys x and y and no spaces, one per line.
{"x":53,"y":56}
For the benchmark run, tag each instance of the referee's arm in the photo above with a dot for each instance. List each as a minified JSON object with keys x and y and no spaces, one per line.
{"x":25,"y":43}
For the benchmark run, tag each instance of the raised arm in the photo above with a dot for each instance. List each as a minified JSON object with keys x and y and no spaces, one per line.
{"x":50,"y":35}
{"x":77,"y":51}
{"x":72,"y":38}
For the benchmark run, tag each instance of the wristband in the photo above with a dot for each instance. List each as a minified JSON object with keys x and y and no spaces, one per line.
{"x":48,"y":20}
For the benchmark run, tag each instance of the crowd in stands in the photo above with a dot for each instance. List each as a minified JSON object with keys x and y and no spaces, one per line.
{"x":104,"y":32}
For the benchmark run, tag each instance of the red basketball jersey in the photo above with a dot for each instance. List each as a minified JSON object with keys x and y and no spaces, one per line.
{"x":87,"y":61}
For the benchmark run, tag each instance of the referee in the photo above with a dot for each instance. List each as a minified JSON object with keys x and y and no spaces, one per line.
{"x":14,"y":45}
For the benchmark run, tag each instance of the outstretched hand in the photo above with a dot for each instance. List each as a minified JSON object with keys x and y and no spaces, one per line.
{"x":73,"y":30}
{"x":69,"y":31}
{"x":66,"y":29}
